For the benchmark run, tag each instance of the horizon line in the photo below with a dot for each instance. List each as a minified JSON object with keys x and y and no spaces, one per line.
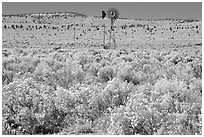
{"x":100,"y":16}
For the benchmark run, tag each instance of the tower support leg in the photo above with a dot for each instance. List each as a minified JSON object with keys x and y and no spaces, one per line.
{"x":112,"y":35}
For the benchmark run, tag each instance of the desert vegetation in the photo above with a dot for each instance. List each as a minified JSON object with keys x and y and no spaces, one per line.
{"x":53,"y":86}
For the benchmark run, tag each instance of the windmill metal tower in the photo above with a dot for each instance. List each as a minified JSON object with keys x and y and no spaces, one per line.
{"x":113,"y":15}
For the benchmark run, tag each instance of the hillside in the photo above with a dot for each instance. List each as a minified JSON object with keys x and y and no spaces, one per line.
{"x":48,"y":14}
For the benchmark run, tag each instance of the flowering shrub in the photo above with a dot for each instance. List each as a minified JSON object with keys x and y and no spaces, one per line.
{"x":106,"y":74}
{"x":162,"y":116}
{"x":127,"y":74}
{"x":146,"y":68}
{"x":122,"y":92}
{"x":7,"y":76}
{"x":94,"y":68}
{"x":22,"y":102}
{"x":116,"y":92}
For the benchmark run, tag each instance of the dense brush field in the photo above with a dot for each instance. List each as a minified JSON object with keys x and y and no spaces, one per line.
{"x":91,"y":90}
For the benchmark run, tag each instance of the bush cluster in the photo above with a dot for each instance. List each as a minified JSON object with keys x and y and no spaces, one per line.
{"x":120,"y":92}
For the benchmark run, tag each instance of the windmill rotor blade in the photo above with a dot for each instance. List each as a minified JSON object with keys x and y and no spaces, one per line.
{"x":113,"y":13}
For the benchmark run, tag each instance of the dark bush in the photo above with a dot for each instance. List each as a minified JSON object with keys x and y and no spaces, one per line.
{"x":105,"y":74}
{"x":5,"y":27}
{"x":129,"y":75}
{"x":12,"y":26}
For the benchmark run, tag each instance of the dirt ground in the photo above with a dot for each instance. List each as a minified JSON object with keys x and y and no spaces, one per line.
{"x":160,"y":34}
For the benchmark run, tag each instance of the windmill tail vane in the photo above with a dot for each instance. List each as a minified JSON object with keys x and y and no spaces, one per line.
{"x":103,"y":14}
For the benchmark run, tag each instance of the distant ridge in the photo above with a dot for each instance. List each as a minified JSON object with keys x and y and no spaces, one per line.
{"x":48,"y":14}
{"x":75,"y":14}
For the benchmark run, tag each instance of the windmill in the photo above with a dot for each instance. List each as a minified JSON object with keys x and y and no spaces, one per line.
{"x":112,"y":14}
{"x":104,"y":28}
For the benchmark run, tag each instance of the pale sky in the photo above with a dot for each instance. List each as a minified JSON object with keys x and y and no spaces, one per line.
{"x":131,"y":10}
